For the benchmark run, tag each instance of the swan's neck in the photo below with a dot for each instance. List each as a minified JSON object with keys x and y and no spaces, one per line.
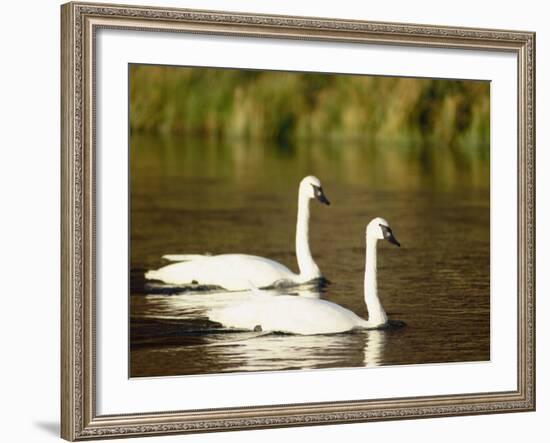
{"x":377,"y":315}
{"x":308,"y":268}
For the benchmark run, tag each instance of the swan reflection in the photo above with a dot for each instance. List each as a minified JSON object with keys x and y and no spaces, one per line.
{"x":277,"y":351}
{"x":374,"y":348}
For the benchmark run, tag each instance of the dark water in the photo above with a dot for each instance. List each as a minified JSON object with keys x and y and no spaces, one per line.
{"x":197,"y":196}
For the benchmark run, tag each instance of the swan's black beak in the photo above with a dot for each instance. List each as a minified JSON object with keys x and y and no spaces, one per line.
{"x":319,"y":195}
{"x":388,"y":235}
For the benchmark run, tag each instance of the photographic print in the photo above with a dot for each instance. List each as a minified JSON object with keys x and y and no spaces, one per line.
{"x":296,"y":220}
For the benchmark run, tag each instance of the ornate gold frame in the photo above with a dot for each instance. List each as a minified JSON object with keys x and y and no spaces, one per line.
{"x":80,"y":21}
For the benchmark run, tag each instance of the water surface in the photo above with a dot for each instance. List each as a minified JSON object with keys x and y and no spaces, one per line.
{"x":199,"y":196}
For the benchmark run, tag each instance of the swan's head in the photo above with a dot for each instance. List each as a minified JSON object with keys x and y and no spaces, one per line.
{"x":380,"y":229}
{"x":310,"y":187}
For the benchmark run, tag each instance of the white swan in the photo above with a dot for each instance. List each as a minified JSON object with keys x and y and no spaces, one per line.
{"x":240,"y":271}
{"x":307,"y":316}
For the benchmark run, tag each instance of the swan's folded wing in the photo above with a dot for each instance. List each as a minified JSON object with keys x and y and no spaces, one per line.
{"x":183,"y":257}
{"x":229,"y":271}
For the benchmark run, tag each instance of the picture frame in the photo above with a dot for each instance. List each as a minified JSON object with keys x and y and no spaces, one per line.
{"x":80,"y":24}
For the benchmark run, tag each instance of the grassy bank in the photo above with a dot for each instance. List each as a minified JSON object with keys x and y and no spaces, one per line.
{"x":285,"y":106}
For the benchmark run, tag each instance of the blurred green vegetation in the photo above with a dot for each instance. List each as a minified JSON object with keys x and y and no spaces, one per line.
{"x":289,"y":106}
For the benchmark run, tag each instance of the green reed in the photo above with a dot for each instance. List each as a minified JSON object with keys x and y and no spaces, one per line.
{"x":287,"y":106}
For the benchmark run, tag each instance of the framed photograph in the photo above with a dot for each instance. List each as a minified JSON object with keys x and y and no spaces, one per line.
{"x":283,"y":221}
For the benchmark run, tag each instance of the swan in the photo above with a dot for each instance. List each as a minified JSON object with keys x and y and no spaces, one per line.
{"x":309,"y":316}
{"x":236,"y":272}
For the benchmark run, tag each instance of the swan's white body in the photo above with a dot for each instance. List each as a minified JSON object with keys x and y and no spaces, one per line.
{"x":307,"y":316}
{"x":231,"y":271}
{"x":240,"y":271}
{"x":289,"y":313}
